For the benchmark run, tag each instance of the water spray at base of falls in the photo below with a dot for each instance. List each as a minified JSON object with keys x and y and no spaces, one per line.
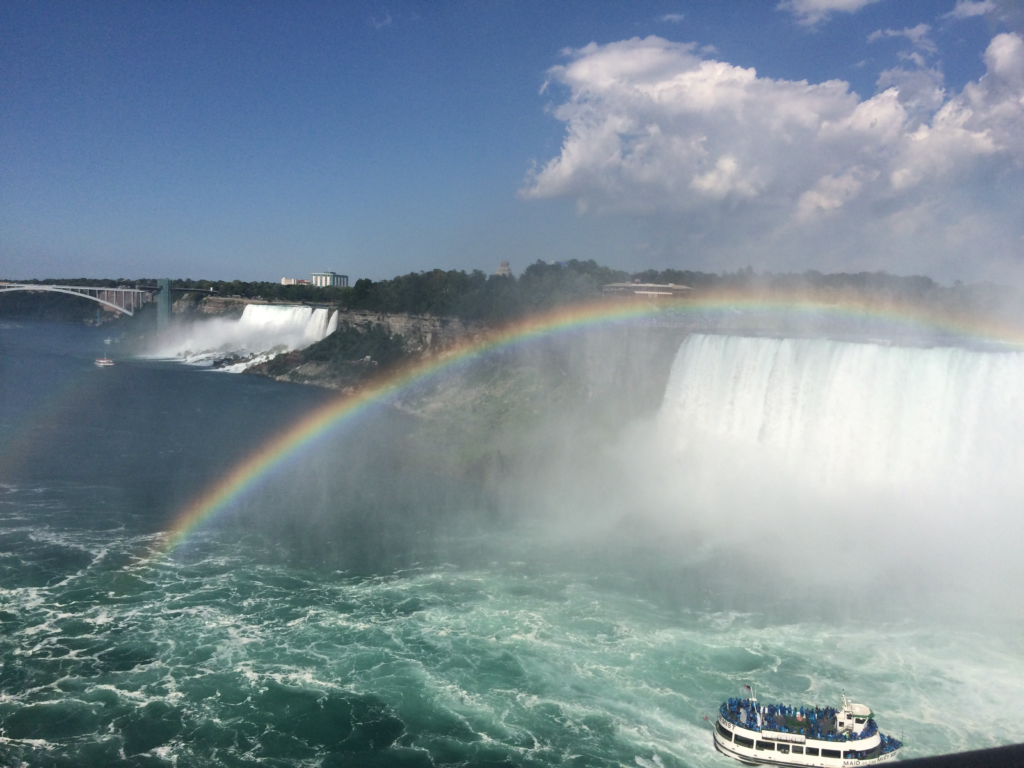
{"x":233,"y":345}
{"x":863,"y":476}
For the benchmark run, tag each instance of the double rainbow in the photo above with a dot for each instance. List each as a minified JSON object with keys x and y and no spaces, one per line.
{"x":390,"y":385}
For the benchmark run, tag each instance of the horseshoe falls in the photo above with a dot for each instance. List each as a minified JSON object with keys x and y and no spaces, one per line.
{"x":877,"y":415}
{"x":803,"y":515}
{"x":894,"y":468}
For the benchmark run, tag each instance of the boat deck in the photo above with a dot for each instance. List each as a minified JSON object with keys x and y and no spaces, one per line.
{"x":778,"y":734}
{"x":817,"y":723}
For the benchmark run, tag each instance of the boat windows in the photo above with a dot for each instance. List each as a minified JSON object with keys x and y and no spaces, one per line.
{"x":766,"y":745}
{"x":830,"y":753}
{"x":783,"y":748}
{"x":743,"y":741}
{"x":812,"y":751}
{"x":859,"y":721}
{"x":798,"y":750}
{"x":727,"y":735}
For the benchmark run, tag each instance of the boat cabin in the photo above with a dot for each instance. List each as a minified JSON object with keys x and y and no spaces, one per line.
{"x":852,"y":718}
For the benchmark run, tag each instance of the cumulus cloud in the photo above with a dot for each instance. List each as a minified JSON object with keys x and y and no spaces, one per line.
{"x":918,"y":36}
{"x":920,"y":87}
{"x":811,"y":12}
{"x":965,"y":9}
{"x":655,"y":130}
{"x":920,"y":90}
{"x":831,"y":192}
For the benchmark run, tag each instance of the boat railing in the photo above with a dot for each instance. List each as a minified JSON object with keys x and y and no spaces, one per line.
{"x":813,"y":721}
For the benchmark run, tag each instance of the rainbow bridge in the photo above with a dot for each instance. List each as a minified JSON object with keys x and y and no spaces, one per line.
{"x":124,"y":300}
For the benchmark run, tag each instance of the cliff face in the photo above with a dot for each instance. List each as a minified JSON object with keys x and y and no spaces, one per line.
{"x":620,"y":371}
{"x":363,"y":341}
{"x":194,"y":305}
{"x":422,"y":333}
{"x":499,"y":423}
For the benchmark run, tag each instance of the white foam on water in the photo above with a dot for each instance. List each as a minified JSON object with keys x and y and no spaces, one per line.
{"x":568,"y":668}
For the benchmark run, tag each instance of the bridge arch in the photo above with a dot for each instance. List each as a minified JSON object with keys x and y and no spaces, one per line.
{"x":125,"y":300}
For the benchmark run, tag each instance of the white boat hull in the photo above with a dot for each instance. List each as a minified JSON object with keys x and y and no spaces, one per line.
{"x":785,"y":749}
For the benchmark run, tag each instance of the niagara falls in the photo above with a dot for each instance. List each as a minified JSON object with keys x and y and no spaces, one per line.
{"x":261,"y":330}
{"x":535,"y":385}
{"x":763,"y":519}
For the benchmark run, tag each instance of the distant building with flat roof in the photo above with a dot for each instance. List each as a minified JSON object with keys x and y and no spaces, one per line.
{"x":330,"y":279}
{"x":504,"y":270}
{"x":293,"y":281}
{"x":647,"y":290}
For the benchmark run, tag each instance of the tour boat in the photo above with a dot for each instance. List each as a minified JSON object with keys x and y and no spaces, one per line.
{"x":777,"y":734}
{"x":103,"y":362}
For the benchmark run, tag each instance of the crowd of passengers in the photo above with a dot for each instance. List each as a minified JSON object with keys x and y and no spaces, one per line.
{"x":815,"y":722}
{"x":889,"y":744}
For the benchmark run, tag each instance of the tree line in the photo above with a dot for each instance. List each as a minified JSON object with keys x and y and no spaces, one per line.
{"x":494,"y":299}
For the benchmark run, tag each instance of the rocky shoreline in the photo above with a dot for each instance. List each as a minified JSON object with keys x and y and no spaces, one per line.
{"x":422,"y":336}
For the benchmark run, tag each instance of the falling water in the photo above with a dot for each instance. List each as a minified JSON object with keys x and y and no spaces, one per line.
{"x":888,"y":475}
{"x":262,"y":329}
{"x":496,"y":642}
{"x":837,"y":410}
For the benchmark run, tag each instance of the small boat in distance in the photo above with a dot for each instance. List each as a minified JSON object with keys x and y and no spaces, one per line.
{"x":825,"y":737}
{"x":104,"y":362}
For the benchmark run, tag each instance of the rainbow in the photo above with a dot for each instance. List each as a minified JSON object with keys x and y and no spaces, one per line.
{"x":389,"y":385}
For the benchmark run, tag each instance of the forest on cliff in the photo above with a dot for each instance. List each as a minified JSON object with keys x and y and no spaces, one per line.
{"x":493,"y":299}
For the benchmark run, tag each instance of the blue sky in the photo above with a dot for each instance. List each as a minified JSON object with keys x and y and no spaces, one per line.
{"x":255,"y":140}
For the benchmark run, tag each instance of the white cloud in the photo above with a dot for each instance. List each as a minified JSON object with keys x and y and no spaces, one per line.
{"x":920,"y":87}
{"x":656,"y":131}
{"x":831,"y":192}
{"x":724,"y":179}
{"x":918,"y":36}
{"x":1005,"y":56}
{"x":919,"y":90}
{"x":673,"y":18}
{"x":811,"y":12}
{"x":965,"y":9}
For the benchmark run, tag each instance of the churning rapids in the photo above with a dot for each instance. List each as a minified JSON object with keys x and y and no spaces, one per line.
{"x":819,"y":516}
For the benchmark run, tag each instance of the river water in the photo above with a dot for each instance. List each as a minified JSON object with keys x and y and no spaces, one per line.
{"x":403,"y":634}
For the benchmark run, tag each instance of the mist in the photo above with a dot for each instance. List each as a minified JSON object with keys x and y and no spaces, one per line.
{"x":814,"y":477}
{"x":620,"y":523}
{"x":803,"y":478}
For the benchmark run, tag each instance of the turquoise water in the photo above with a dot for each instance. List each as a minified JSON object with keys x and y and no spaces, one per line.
{"x":497,"y":648}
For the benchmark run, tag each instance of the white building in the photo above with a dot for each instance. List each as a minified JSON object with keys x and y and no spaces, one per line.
{"x":325,"y":279}
{"x":504,"y":270}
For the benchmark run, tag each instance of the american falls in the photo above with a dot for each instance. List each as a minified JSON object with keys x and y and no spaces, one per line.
{"x":233,"y":345}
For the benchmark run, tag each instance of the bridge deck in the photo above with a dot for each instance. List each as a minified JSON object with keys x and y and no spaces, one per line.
{"x":125,"y":300}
